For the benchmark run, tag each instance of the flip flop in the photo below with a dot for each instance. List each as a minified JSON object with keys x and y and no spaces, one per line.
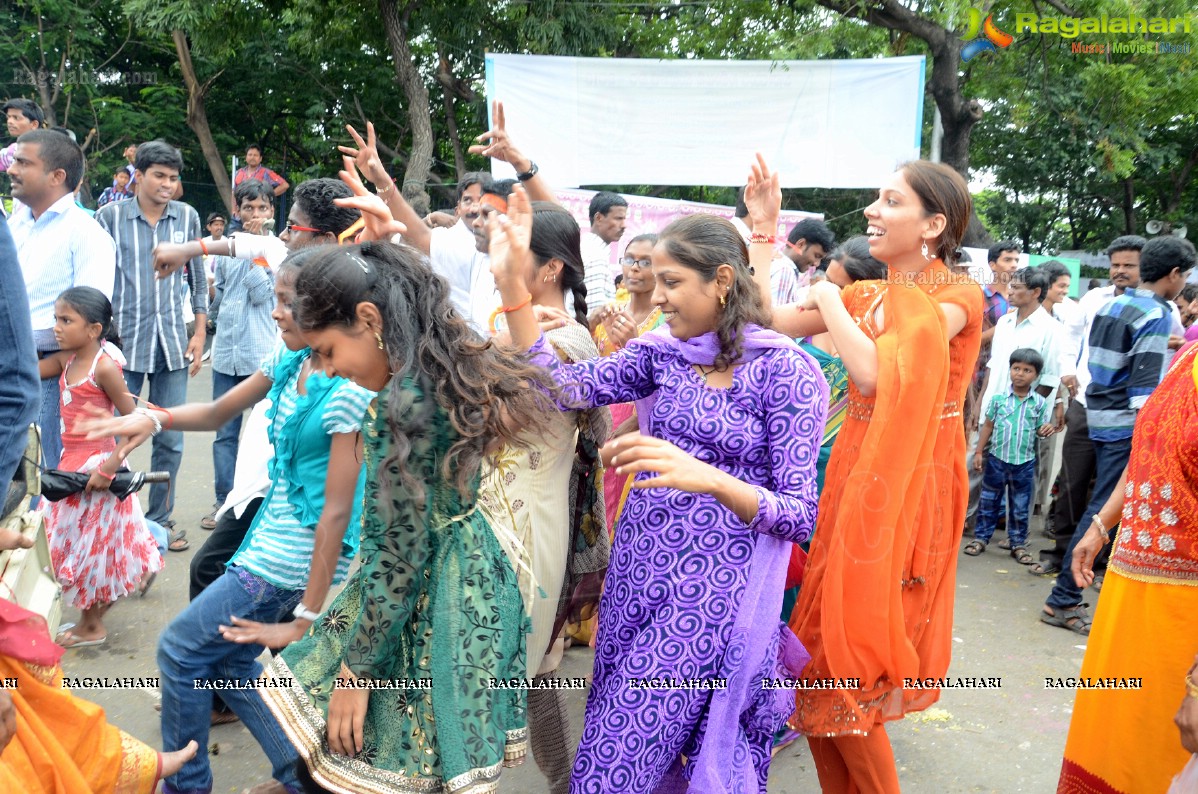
{"x":146,"y":582}
{"x":63,"y":628}
{"x":178,"y":540}
{"x":65,"y":642}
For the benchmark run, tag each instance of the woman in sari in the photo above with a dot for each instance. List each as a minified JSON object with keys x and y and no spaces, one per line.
{"x":874,"y":581}
{"x":1146,"y":624}
{"x":544,"y":501}
{"x":619,"y":323}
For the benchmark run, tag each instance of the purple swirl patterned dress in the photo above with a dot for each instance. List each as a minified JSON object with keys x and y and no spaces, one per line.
{"x":692,"y":593}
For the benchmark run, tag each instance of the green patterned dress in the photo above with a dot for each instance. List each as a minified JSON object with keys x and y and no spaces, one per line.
{"x":434,"y":606}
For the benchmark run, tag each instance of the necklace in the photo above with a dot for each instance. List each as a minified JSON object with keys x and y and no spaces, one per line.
{"x":706,"y":371}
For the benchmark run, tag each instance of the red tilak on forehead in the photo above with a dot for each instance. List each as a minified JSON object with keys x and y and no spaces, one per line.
{"x":491,"y":200}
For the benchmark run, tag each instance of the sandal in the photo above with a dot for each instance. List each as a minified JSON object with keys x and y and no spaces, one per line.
{"x":975,"y":547}
{"x":179,"y":540}
{"x":1005,"y":544}
{"x":1044,"y":569}
{"x":1075,"y":619}
{"x":146,"y":582}
{"x":1022,"y":555}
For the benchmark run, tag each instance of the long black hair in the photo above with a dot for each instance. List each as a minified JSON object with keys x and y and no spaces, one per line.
{"x":94,"y":307}
{"x":555,"y":235}
{"x":489,"y":394}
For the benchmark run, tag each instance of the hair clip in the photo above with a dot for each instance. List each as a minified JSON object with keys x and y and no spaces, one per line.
{"x":360,"y":262}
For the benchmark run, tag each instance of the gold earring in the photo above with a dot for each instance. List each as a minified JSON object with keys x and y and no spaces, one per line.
{"x":723,"y":301}
{"x":379,"y":338}
{"x":555,"y":278}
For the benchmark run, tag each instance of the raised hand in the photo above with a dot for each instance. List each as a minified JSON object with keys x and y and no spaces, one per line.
{"x":495,"y":142}
{"x":621,"y":328}
{"x":510,"y":235}
{"x":763,"y":197}
{"x":379,"y":223}
{"x":366,"y":156}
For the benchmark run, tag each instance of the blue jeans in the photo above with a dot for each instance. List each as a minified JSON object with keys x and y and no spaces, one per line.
{"x":1110,"y":458}
{"x":224,"y":451}
{"x":49,"y":419}
{"x":161,"y":536}
{"x":1016,"y":481}
{"x":168,"y":388}
{"x":191,"y":649}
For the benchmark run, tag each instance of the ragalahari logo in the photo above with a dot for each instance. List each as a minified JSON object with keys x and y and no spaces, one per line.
{"x":994,"y":38}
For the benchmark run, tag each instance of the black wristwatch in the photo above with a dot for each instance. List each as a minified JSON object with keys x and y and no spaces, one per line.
{"x":532,"y":171}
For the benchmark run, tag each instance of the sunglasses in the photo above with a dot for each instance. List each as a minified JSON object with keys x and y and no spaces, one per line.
{"x":292,"y":227}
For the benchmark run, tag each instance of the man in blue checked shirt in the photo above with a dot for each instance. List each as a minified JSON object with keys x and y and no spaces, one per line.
{"x":149,"y":310}
{"x":1129,"y":350}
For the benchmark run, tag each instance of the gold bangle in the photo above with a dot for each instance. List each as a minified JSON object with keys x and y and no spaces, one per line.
{"x":384,"y":191}
{"x":1191,"y":687}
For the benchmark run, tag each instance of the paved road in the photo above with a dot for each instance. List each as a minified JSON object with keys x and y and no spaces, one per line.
{"x":1008,"y":739}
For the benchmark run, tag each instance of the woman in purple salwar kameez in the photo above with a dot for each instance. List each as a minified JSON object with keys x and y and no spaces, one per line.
{"x":689,"y":635}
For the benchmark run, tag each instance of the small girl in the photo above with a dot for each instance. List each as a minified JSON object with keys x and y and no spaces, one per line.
{"x":100,"y":545}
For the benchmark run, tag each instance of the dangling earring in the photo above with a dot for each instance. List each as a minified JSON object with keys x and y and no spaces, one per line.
{"x":723,"y":302}
{"x":924,"y":250}
{"x":555,"y":278}
{"x":379,"y":338}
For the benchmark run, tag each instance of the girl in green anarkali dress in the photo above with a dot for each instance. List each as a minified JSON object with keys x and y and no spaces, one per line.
{"x":434,"y":613}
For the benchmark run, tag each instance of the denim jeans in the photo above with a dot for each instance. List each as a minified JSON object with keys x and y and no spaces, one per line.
{"x":191,"y":649}
{"x":168,"y":388}
{"x":19,"y":398}
{"x":1110,"y":459}
{"x":224,"y":450}
{"x":1016,"y":481}
{"x":161,"y":536}
{"x":49,"y":419}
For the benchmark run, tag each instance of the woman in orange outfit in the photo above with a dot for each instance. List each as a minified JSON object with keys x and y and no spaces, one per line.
{"x":876,"y":603}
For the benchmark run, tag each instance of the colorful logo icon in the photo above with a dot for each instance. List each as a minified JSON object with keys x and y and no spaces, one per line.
{"x":993,"y":36}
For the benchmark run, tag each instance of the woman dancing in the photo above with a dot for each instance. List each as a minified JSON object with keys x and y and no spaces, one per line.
{"x":688,"y":628}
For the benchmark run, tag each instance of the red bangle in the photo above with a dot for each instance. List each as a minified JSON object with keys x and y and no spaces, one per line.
{"x":203,"y":247}
{"x":519,"y":305}
{"x":170,"y":419}
{"x":105,"y":475}
{"x":758,"y":237}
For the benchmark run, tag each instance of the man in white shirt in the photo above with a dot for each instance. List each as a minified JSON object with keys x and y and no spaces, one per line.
{"x":1028,"y":326}
{"x":59,"y":246}
{"x":608,"y":212}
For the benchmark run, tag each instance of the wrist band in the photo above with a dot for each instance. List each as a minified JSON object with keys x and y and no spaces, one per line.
{"x":104,"y":474}
{"x":1096,"y":521}
{"x":303,"y":613}
{"x":520,"y":305}
{"x":757,"y":237}
{"x":203,"y":247}
{"x":504,"y":310}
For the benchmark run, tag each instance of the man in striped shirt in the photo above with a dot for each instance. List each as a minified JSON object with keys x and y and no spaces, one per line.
{"x":149,"y":311}
{"x":1129,"y":349}
{"x":59,"y":247}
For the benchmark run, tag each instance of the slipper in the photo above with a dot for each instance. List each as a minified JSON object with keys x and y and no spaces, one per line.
{"x":67,"y":637}
{"x":179,"y":540}
{"x":146,"y":582}
{"x":63,"y":628}
{"x":1075,"y":619}
{"x":1044,"y":569}
{"x":223,"y":717}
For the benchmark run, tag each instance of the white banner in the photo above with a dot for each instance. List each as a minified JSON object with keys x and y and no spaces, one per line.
{"x":625,"y":121}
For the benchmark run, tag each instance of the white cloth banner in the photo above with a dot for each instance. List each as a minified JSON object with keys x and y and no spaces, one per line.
{"x":626,"y":121}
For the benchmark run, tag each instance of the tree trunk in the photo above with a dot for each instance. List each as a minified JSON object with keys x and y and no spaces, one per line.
{"x":197,"y":119}
{"x":1129,"y":206}
{"x":408,"y":76}
{"x":445,"y":78}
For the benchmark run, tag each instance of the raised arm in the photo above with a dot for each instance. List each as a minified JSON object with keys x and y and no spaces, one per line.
{"x":858,"y":352}
{"x":497,"y":144}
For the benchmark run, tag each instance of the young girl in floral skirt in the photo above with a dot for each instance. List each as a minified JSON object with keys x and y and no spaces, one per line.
{"x":100,"y":545}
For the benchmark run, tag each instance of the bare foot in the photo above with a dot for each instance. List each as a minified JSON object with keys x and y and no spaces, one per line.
{"x":173,"y":762}
{"x":11,"y":539}
{"x":269,"y":787}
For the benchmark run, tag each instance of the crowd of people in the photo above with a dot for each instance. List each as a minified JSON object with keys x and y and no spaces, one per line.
{"x":741,"y":457}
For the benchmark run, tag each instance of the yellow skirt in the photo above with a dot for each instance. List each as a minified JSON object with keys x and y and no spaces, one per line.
{"x":1124,"y":740}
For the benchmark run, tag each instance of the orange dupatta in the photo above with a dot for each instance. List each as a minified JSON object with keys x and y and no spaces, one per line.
{"x":850,"y":612}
